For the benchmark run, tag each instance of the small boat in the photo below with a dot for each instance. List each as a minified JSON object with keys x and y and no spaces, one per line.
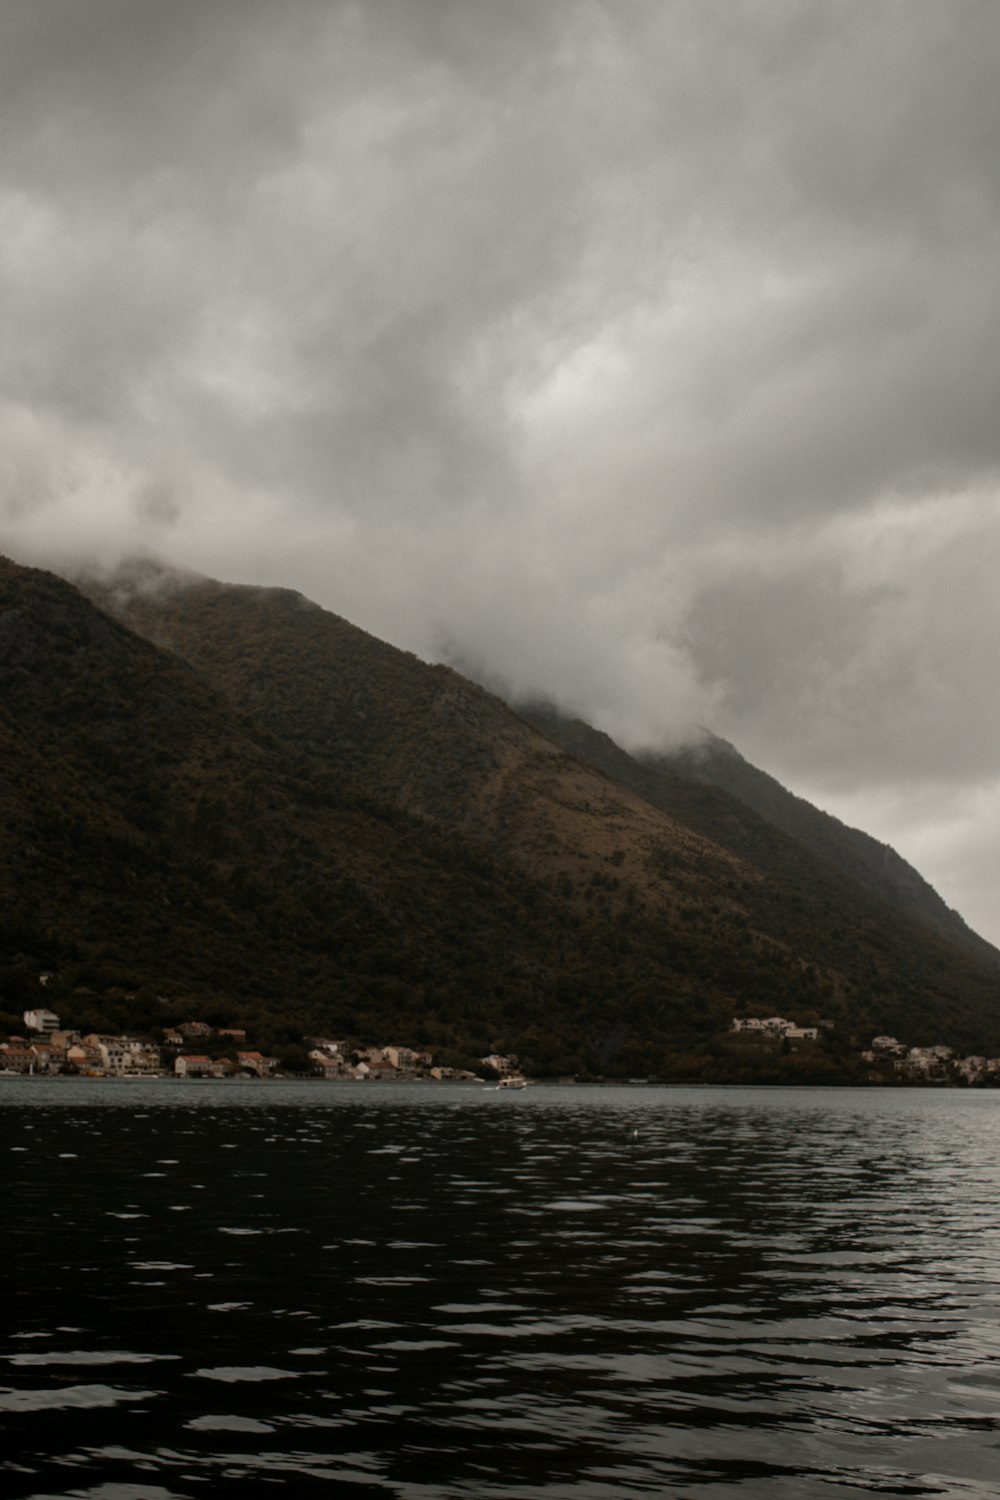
{"x":513,"y":1081}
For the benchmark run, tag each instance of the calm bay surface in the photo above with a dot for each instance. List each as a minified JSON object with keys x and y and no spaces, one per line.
{"x":457,"y":1292}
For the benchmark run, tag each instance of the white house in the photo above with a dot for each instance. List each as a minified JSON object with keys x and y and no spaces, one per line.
{"x":41,"y":1020}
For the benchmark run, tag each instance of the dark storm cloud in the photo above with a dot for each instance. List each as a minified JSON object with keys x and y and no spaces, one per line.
{"x":644,"y":355}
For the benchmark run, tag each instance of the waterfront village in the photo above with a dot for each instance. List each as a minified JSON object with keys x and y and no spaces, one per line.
{"x":50,"y":1050}
{"x":194,"y":1049}
{"x":887,"y":1059}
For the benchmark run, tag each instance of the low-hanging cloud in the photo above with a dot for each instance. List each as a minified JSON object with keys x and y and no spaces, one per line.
{"x":640,"y":357}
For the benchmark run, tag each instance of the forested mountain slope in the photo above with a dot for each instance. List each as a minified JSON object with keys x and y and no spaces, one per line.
{"x":873,"y":865}
{"x":711,"y":788}
{"x":713,"y":912}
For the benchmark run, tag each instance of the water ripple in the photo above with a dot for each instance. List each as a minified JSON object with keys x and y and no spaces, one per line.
{"x":607,"y":1293}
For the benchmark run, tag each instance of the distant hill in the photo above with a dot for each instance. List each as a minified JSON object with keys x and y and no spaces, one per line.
{"x":713,"y":789}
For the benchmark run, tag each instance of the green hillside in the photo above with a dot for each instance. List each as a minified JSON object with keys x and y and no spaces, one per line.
{"x":698,"y":907}
{"x":255,"y":814}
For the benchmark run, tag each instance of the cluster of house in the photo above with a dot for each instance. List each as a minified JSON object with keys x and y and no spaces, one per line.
{"x":49,"y":1049}
{"x":776,"y":1027}
{"x":938,"y":1062}
{"x":886,"y":1055}
{"x":334,"y":1060}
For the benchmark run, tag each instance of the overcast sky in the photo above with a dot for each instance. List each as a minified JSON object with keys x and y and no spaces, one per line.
{"x":640,"y":353}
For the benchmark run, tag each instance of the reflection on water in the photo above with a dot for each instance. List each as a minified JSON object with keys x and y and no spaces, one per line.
{"x":456,"y":1292}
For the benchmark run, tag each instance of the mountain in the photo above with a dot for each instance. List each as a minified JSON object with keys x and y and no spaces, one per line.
{"x":778,"y":920}
{"x":873,"y":865}
{"x":227,"y":803}
{"x":710,"y":787}
{"x":164,"y":855}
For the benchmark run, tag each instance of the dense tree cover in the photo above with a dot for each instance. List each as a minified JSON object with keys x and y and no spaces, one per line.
{"x":281,"y":823}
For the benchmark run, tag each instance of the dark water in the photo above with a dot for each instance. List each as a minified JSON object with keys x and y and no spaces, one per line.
{"x":432,"y":1292}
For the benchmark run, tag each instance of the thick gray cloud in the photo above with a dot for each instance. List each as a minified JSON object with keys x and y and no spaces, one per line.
{"x":642,"y":355}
